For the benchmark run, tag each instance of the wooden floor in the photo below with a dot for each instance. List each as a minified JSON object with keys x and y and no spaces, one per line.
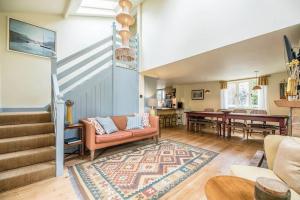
{"x":232,"y":151}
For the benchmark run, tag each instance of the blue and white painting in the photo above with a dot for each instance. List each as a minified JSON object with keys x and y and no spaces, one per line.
{"x":27,"y":38}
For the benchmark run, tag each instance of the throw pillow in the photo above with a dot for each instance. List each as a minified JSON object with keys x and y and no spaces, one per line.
{"x":145,"y":119}
{"x":287,"y":162}
{"x":134,"y":122}
{"x":97,"y":125}
{"x":108,"y":124}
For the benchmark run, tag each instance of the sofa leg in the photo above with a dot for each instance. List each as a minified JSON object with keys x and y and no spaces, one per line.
{"x":92,"y":154}
{"x":156,"y":139}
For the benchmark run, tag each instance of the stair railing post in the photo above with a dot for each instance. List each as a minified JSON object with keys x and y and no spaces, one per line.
{"x":114,"y":41}
{"x":53,"y":71}
{"x":59,"y":129}
{"x":58,"y":115}
{"x":114,"y":46}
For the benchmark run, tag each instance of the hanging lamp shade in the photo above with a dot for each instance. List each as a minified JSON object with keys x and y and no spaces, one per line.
{"x":125,"y":19}
{"x":125,"y":4}
{"x":257,"y":86}
{"x":125,"y":53}
{"x":125,"y":35}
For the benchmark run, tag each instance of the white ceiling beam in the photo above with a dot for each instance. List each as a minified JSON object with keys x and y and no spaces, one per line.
{"x":71,"y":7}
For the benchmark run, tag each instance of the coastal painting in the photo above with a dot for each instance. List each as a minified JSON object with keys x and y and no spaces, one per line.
{"x":198,"y":94}
{"x":30,"y":39}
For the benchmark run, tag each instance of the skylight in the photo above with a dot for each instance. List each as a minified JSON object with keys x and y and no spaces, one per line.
{"x":98,"y":8}
{"x":100,"y":4}
{"x":104,"y":8}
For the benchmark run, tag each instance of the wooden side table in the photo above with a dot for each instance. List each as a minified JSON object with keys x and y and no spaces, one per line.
{"x":81,"y":142}
{"x":229,"y":188}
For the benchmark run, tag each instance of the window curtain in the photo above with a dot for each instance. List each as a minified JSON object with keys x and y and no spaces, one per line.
{"x":224,"y":95}
{"x":263,"y":98}
{"x":263,"y":93}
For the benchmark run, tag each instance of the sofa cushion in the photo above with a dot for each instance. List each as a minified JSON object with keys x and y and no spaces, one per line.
{"x":252,"y":173}
{"x":120,"y":122}
{"x":287,"y":162}
{"x":116,"y":136}
{"x":99,"y":129}
{"x":134,"y":122}
{"x":143,"y":132}
{"x":108,"y":124}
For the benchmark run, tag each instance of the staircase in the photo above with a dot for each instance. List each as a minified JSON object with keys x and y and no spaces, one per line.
{"x":27,"y":151}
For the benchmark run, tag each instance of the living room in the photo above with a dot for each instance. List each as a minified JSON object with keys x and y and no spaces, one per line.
{"x":140,"y":99}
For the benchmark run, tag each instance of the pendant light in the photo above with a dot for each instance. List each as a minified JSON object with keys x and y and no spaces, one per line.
{"x":256,"y":87}
{"x":125,"y":53}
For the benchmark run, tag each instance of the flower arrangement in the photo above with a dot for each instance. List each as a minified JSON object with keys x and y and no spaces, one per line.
{"x":293,"y":80}
{"x":293,"y":69}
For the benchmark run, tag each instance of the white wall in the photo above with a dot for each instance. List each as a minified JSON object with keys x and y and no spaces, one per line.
{"x":212,"y":100}
{"x":25,"y":78}
{"x":177,"y":29}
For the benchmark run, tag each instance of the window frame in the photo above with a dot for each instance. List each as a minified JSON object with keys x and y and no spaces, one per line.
{"x":237,"y":103}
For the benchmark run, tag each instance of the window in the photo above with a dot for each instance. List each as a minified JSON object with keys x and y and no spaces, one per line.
{"x":241,"y":95}
{"x":160,"y":95}
{"x":106,"y":8}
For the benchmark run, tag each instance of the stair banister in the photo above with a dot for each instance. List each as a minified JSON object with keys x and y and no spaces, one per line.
{"x":58,"y":114}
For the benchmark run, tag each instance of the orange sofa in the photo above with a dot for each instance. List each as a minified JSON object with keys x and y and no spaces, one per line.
{"x":94,"y":141}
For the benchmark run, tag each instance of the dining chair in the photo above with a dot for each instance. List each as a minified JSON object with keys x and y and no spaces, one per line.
{"x":261,"y":125}
{"x":239,"y":124}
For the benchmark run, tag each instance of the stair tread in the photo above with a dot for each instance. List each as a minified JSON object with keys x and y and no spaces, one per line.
{"x":25,"y":125}
{"x":25,"y":152}
{"x":29,"y":137}
{"x":24,"y":117}
{"x":23,"y":113}
{"x":25,"y":170}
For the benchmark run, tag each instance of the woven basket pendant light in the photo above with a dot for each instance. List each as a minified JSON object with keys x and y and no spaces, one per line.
{"x":125,"y":53}
{"x":256,"y":87}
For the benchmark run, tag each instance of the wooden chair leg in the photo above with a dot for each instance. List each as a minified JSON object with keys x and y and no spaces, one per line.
{"x":156,"y":139}
{"x":92,"y":154}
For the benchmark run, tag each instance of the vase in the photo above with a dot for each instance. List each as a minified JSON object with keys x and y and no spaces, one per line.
{"x":291,"y":89}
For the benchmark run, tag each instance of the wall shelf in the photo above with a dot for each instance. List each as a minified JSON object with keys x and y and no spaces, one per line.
{"x":287,"y":104}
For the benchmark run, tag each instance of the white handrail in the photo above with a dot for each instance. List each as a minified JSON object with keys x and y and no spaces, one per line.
{"x":58,"y":115}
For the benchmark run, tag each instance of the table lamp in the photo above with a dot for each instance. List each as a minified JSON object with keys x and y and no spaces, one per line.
{"x":152,"y":102}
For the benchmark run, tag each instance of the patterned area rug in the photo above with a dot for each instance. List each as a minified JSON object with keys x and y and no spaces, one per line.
{"x":146,"y":172}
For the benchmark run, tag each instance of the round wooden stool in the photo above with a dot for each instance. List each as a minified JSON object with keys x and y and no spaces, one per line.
{"x":229,"y":188}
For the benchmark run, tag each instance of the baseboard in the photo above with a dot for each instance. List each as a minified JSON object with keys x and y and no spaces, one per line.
{"x":36,"y":109}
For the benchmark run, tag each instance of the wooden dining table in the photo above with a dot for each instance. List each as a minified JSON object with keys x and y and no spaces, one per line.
{"x":219,"y":116}
{"x":282,"y":120}
{"x":227,"y":116}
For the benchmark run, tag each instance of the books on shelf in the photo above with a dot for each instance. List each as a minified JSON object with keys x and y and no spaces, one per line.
{"x":72,"y":140}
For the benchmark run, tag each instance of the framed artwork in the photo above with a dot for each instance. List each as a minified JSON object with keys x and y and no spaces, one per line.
{"x":30,"y":39}
{"x":282,"y":90}
{"x":198,"y":94}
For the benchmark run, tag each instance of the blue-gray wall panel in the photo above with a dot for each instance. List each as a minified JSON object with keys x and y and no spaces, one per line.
{"x":93,"y":97}
{"x":125,"y":91}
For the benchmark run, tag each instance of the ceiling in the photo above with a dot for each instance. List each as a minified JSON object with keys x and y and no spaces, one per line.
{"x":64,"y":7}
{"x":34,"y":6}
{"x":263,"y":53}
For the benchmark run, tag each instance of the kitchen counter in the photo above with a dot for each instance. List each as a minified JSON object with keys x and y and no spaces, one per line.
{"x":166,"y":109}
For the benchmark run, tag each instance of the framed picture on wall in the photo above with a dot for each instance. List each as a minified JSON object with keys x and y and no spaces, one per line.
{"x":198,"y":94}
{"x":282,"y":89}
{"x":30,"y":39}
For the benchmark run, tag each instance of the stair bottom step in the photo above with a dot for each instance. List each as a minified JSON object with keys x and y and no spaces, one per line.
{"x":26,"y":175}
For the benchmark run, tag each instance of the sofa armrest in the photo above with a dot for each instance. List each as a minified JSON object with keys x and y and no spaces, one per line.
{"x":154,"y":122}
{"x":271,"y":143}
{"x":90,"y":135}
